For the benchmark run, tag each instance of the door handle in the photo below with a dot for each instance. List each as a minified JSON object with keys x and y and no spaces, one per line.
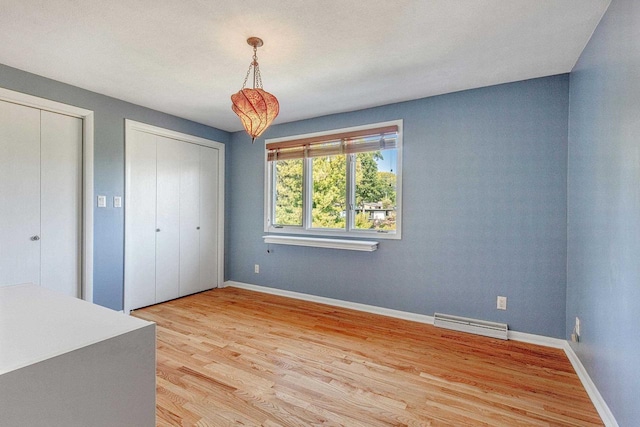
{"x":35,"y":238}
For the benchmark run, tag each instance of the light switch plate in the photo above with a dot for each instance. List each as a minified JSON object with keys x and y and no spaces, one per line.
{"x":117,"y":201}
{"x":102,"y":201}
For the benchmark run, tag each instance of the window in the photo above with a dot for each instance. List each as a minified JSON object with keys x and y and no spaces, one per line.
{"x":345,"y":182}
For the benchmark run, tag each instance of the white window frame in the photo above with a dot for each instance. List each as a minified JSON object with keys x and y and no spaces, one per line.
{"x":306,"y":229}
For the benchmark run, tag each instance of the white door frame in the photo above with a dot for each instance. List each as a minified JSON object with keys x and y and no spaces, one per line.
{"x":132,"y":126}
{"x":87,"y":174}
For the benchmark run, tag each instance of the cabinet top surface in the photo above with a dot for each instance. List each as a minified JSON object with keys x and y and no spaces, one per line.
{"x":37,"y":324}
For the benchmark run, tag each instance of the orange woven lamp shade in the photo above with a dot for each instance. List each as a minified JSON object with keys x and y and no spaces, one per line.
{"x":256,"y":108}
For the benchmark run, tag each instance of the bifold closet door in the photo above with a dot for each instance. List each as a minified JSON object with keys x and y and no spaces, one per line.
{"x":61,"y":203}
{"x":168,"y":164}
{"x":198,"y":219}
{"x":140,"y":234}
{"x":208,"y":218}
{"x":41,"y":193}
{"x":190,"y":219}
{"x":171,"y":219}
{"x":19,"y":194}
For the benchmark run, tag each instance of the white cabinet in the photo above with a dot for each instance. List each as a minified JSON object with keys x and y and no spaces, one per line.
{"x":66,"y":362}
{"x":173,"y":215}
{"x":41,"y":198}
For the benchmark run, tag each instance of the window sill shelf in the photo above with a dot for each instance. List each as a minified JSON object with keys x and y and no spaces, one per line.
{"x":317,"y":242}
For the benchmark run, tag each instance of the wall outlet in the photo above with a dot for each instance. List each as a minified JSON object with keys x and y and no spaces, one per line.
{"x":502,"y":303}
{"x":577,"y":326}
{"x":256,"y":268}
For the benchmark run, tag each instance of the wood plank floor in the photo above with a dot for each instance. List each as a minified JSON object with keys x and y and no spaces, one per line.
{"x":236,"y":357}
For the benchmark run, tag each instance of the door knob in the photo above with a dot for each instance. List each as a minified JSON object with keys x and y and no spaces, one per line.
{"x":197,"y":228}
{"x":157,"y":230}
{"x":35,"y":238}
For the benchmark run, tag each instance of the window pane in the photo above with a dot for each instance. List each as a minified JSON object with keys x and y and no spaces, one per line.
{"x":375,"y":190}
{"x":329,"y":192}
{"x":288,"y":194}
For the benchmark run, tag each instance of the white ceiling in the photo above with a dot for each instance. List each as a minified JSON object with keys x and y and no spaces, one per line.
{"x":186,"y":57}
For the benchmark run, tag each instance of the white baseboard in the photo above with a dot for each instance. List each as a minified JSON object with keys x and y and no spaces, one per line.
{"x":601,"y":406}
{"x":592,"y":391}
{"x":537,"y":339}
{"x":421,"y":318}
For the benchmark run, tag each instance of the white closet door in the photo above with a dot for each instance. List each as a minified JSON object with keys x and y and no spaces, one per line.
{"x":208,"y":218}
{"x":19,"y":194}
{"x":168,"y":219}
{"x":190,"y":219}
{"x":172,"y":240}
{"x":61,"y":199}
{"x":140,"y":228}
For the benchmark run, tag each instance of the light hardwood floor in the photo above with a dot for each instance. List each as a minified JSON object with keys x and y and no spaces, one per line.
{"x":236,"y":357}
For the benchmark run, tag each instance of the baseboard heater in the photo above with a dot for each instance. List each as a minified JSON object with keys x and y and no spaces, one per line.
{"x":478,"y":327}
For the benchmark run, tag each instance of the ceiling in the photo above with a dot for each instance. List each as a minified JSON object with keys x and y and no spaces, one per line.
{"x":186,"y":57}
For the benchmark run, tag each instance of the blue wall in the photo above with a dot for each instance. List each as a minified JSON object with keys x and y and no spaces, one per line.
{"x":490,"y":205}
{"x":603,"y":284}
{"x":108,"y":277}
{"x":484,"y":211}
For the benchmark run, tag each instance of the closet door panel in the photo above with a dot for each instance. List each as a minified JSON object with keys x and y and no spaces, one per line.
{"x":19,"y":194}
{"x":61,"y":200}
{"x":190,"y":219}
{"x":140,"y":231}
{"x":208,"y":218}
{"x":168,"y":219}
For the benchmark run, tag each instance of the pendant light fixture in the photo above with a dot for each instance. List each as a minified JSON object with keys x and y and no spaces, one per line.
{"x":256,"y":107}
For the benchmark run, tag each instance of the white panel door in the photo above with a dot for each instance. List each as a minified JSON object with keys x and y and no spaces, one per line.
{"x":168,"y":219}
{"x":140,"y":227}
{"x":190,"y":219}
{"x":61,"y":200}
{"x":19,"y":194}
{"x":208,"y":218}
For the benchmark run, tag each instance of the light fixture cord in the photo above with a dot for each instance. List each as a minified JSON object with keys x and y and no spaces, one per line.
{"x":257,"y":78}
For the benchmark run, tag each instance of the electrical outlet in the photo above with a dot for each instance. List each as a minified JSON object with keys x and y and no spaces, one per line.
{"x":577,"y":326}
{"x":256,"y":268}
{"x":502,"y":303}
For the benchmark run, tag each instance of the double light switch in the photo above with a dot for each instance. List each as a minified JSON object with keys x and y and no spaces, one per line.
{"x":102,"y":201}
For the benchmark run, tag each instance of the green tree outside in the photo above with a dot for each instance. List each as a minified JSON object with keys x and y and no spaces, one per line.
{"x":329,"y":192}
{"x":288,"y":192}
{"x":372,"y":187}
